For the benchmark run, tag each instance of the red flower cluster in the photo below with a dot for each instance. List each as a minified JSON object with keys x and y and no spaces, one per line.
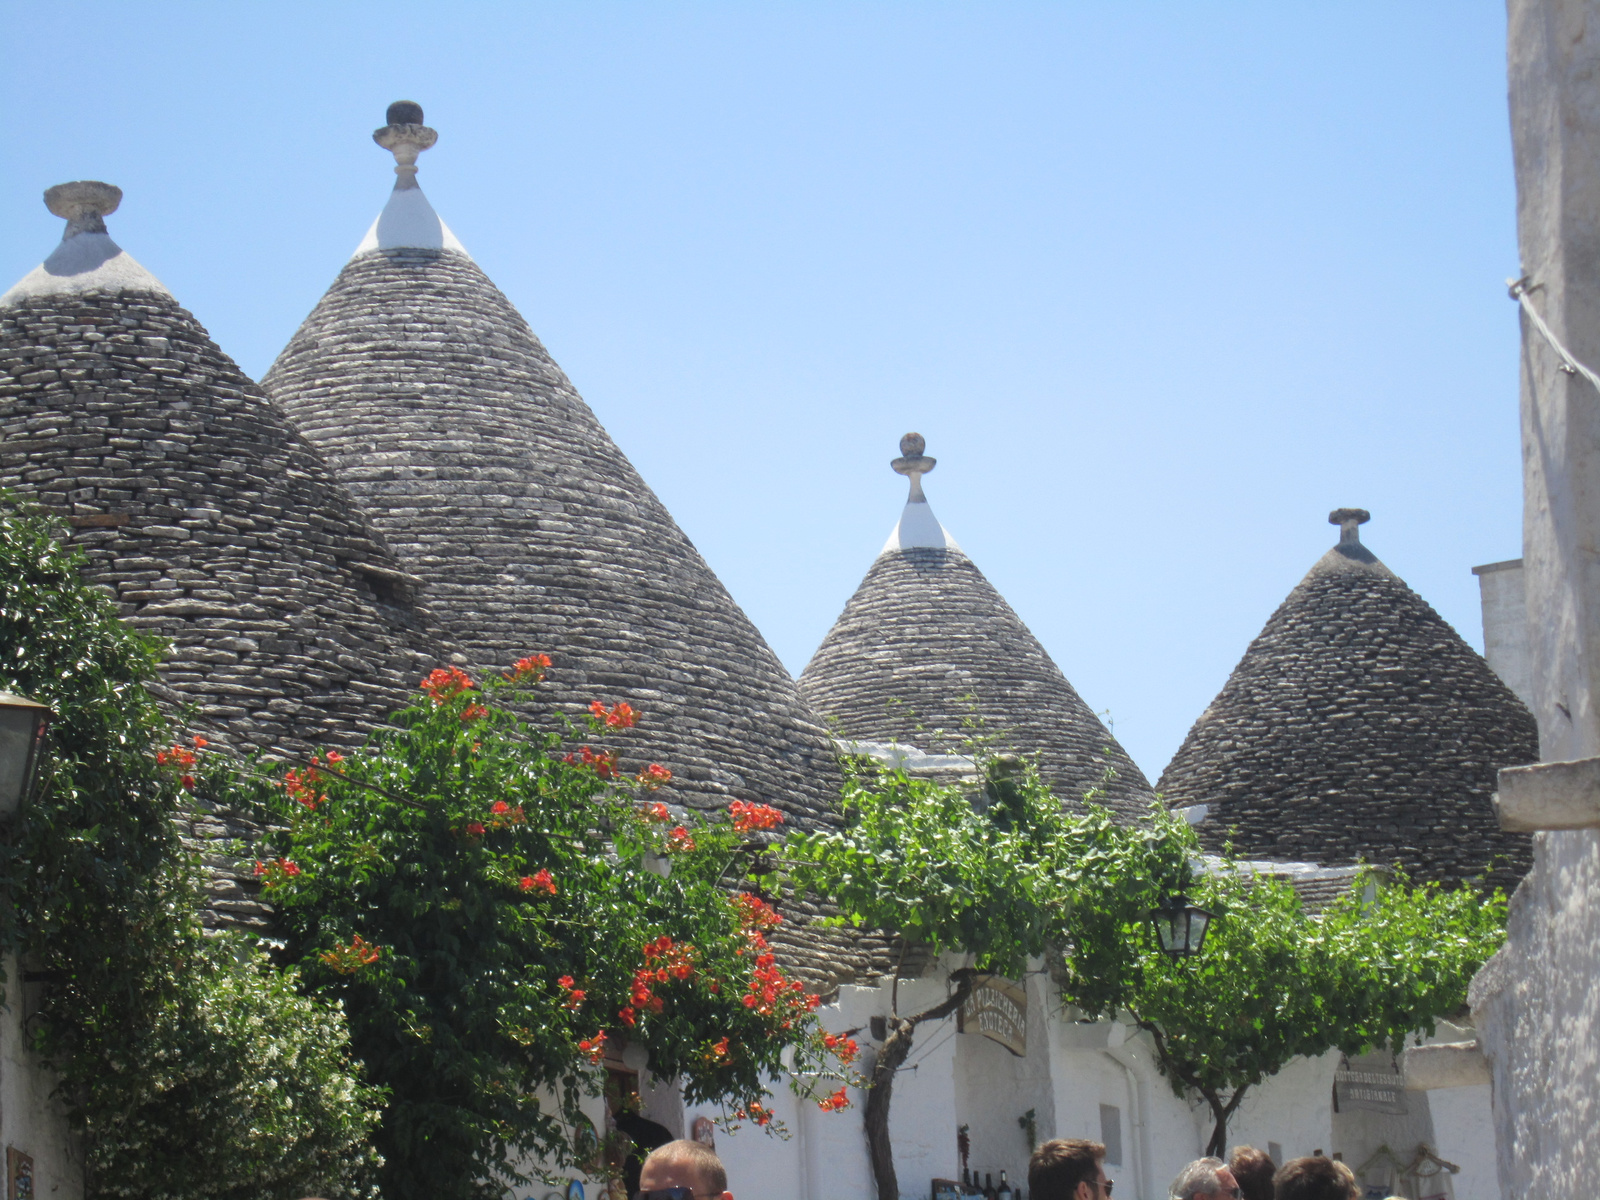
{"x":502,"y":814}
{"x":654,"y":812}
{"x":594,"y":1047}
{"x":622,"y":716}
{"x":843,"y":1047}
{"x":475,"y":829}
{"x":834,"y":1102}
{"x":748,"y":817}
{"x":347,"y":960}
{"x":446,"y":683}
{"x":183,"y":758}
{"x":603,"y":764}
{"x":575,"y":996}
{"x":754,"y":913}
{"x":679,"y":839}
{"x":302,"y":785}
{"x":754,"y":1111}
{"x":654,"y":776}
{"x":277,"y":871}
{"x":770,"y":991}
{"x":474,"y":712}
{"x":533,"y":667}
{"x":719,"y":1051}
{"x":664,"y":961}
{"x":542,"y":882}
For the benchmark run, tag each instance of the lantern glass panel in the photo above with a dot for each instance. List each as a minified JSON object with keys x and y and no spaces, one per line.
{"x":1196,"y":920}
{"x":22,"y":724}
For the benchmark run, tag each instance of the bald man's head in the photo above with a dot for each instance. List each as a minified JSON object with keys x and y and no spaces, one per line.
{"x":685,"y":1164}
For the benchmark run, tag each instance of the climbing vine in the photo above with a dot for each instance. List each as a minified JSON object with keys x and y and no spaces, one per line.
{"x":192,"y":1068}
{"x":499,"y":910}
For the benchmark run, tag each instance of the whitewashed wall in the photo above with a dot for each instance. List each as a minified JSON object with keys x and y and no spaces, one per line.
{"x":1537,"y":1003}
{"x":30,"y":1119}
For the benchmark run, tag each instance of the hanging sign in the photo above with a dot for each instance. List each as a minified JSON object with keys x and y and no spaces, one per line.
{"x":1372,"y":1083}
{"x":998,"y":1009}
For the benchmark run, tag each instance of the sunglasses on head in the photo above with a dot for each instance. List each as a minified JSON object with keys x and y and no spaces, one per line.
{"x":668,"y":1193}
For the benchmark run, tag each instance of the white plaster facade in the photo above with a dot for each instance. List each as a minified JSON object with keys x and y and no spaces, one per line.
{"x":1081,"y":1079}
{"x":1537,"y":1003}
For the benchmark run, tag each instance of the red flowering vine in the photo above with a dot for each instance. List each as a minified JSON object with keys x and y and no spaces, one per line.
{"x":620,"y":716}
{"x":603,"y":763}
{"x":594,"y":1047}
{"x":184,"y":759}
{"x":276,"y":872}
{"x":575,"y":995}
{"x":753,"y":1111}
{"x":748,"y":817}
{"x":835,"y":1102}
{"x":655,"y":812}
{"x":446,"y":683}
{"x":654,"y":776}
{"x":347,"y":960}
{"x":542,"y":882}
{"x":528,"y":669}
{"x":844,"y":1048}
{"x":680,"y":840}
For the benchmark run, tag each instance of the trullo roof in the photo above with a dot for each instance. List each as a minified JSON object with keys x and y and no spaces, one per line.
{"x":212,"y":522}
{"x":477,"y":458}
{"x":1358,"y":727}
{"x":927,"y":646}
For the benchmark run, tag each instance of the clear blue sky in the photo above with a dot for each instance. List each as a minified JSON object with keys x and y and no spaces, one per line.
{"x":1160,"y":283}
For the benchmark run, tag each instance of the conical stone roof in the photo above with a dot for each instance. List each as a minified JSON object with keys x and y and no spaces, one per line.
{"x":1359,"y":726}
{"x":201,"y":510}
{"x":927,"y":645}
{"x":476,"y":457}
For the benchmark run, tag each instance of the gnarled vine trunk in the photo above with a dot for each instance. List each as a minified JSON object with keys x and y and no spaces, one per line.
{"x":880,"y":1083}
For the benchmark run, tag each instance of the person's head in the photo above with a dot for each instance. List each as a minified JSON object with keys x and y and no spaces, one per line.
{"x":681,"y":1166}
{"x":1205,"y":1179}
{"x":1068,"y":1169}
{"x":1252,"y":1170}
{"x":1314,"y":1178}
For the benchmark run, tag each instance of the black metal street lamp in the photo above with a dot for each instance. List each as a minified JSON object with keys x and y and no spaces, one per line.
{"x":22,"y":726}
{"x":1180,"y":927}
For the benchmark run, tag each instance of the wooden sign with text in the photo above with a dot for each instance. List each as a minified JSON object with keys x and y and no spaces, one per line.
{"x":998,"y":1009}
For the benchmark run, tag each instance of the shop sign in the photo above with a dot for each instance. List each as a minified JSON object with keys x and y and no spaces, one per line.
{"x":1372,"y":1083}
{"x":998,"y":1009}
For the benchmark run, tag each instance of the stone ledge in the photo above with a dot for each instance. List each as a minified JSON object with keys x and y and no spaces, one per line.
{"x":1450,"y":1064}
{"x":1555,"y":795}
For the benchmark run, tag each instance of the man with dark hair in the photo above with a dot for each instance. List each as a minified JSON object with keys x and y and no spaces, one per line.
{"x":1205,"y":1179}
{"x":1314,"y":1178}
{"x":1068,"y":1169}
{"x":683,"y":1170}
{"x":1252,"y":1170}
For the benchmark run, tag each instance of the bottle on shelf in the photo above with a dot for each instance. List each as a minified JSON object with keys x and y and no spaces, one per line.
{"x":1003,"y":1192}
{"x":988,"y":1186}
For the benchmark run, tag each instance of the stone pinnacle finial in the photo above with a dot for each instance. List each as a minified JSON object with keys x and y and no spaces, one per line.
{"x":84,"y":204}
{"x":405,"y":136}
{"x":1349,"y":521}
{"x":914,"y":463}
